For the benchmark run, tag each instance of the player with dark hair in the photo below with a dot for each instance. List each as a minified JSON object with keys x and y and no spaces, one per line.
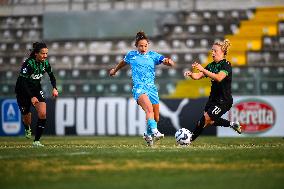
{"x":220,"y":99}
{"x":28,"y":89}
{"x":142,"y":63}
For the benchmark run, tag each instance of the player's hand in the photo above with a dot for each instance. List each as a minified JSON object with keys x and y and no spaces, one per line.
{"x":197,"y":66}
{"x":187,"y":74}
{"x":169,"y":62}
{"x":54,"y":92}
{"x":112,"y":72}
{"x":34,"y":100}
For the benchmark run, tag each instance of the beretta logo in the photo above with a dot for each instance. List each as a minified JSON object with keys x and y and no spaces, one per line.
{"x":254,"y":116}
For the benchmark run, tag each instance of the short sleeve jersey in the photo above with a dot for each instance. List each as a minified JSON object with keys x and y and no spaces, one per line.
{"x":143,"y":66}
{"x":221,"y":91}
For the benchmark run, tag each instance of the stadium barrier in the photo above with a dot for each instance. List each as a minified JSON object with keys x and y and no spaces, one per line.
{"x":104,"y":116}
{"x":261,"y":116}
{"x":93,"y":116}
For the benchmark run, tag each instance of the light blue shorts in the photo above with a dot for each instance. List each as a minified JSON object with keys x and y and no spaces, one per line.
{"x":149,"y":89}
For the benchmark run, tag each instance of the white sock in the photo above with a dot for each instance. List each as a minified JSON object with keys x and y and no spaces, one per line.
{"x":155,"y":130}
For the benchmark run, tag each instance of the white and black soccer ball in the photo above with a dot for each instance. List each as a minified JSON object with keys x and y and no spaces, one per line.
{"x":183,"y":136}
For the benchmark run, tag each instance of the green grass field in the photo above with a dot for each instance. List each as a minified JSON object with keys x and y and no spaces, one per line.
{"x":125,"y":162}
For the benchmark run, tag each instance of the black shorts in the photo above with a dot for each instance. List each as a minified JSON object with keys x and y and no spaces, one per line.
{"x":24,"y":101}
{"x":215,"y":110}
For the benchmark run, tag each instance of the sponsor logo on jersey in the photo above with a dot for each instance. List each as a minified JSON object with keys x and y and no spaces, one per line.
{"x":255,"y":116}
{"x":24,"y":70}
{"x":37,"y":76}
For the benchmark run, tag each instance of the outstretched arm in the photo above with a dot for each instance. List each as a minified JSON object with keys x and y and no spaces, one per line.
{"x":120,"y":65}
{"x":195,"y":76}
{"x":217,"y":77}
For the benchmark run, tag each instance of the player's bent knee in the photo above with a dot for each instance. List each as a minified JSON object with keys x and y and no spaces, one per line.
{"x":157,"y":118}
{"x":208,"y":120}
{"x":42,"y":115}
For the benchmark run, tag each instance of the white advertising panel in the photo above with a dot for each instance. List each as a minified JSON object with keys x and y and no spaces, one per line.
{"x":258,"y":115}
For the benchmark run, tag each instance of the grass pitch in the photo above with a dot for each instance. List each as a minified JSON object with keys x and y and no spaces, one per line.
{"x":125,"y":162}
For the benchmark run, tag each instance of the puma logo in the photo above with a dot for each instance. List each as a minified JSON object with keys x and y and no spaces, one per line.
{"x":173,"y":115}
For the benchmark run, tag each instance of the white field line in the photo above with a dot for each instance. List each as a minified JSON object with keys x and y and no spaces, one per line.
{"x":45,"y":155}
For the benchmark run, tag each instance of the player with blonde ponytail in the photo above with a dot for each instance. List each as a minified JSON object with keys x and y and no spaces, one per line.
{"x":220,"y":100}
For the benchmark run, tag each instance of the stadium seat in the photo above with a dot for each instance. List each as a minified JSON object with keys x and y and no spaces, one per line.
{"x":76,"y":73}
{"x":105,"y":59}
{"x":113,"y":88}
{"x":9,"y":74}
{"x":92,"y":59}
{"x":5,"y":89}
{"x":162,"y":44}
{"x":78,"y":60}
{"x":65,"y":60}
{"x":102,"y":73}
{"x":16,"y":47}
{"x":3,"y":47}
{"x":188,"y":57}
{"x":29,"y":46}
{"x":190,"y":43}
{"x":86,"y":88}
{"x":55,"y":46}
{"x":175,"y":57}
{"x":192,"y":29}
{"x":158,"y":72}
{"x":52,"y":59}
{"x":99,"y":88}
{"x":61,"y":74}
{"x":280,"y":86}
{"x":127,"y":88}
{"x":13,"y":60}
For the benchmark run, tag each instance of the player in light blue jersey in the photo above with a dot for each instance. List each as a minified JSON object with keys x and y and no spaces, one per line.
{"x":143,"y":63}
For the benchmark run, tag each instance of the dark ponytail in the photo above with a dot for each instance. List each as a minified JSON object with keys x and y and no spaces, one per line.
{"x":140,"y":36}
{"x":37,"y":46}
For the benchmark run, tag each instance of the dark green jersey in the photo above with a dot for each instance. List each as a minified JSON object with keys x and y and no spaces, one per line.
{"x":221,"y":91}
{"x":30,"y":76}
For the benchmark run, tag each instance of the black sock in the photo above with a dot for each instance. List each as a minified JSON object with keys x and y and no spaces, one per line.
{"x":222,"y":122}
{"x":39,"y":128}
{"x":198,"y":128}
{"x":197,"y":131}
{"x":27,"y":127}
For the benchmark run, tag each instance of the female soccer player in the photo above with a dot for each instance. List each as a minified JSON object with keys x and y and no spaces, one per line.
{"x":220,"y":99}
{"x":28,"y":89}
{"x":142,"y":63}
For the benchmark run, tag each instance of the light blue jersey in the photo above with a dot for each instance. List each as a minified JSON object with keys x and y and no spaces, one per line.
{"x":143,"y":73}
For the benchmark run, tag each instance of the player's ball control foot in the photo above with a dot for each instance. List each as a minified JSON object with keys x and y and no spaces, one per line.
{"x":158,"y":135}
{"x":148,"y":139}
{"x":28,"y":133}
{"x":37,"y":144}
{"x":237,"y":127}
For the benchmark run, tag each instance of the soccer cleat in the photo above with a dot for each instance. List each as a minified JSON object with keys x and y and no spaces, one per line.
{"x":37,"y":144}
{"x":28,"y":133}
{"x":148,"y":139}
{"x":237,"y":127}
{"x":158,"y":135}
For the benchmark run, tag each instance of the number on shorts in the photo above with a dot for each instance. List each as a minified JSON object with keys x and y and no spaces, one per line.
{"x":41,"y":94}
{"x":216,"y":110}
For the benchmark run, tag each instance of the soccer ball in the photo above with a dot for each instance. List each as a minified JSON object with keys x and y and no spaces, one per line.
{"x":183,"y":136}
